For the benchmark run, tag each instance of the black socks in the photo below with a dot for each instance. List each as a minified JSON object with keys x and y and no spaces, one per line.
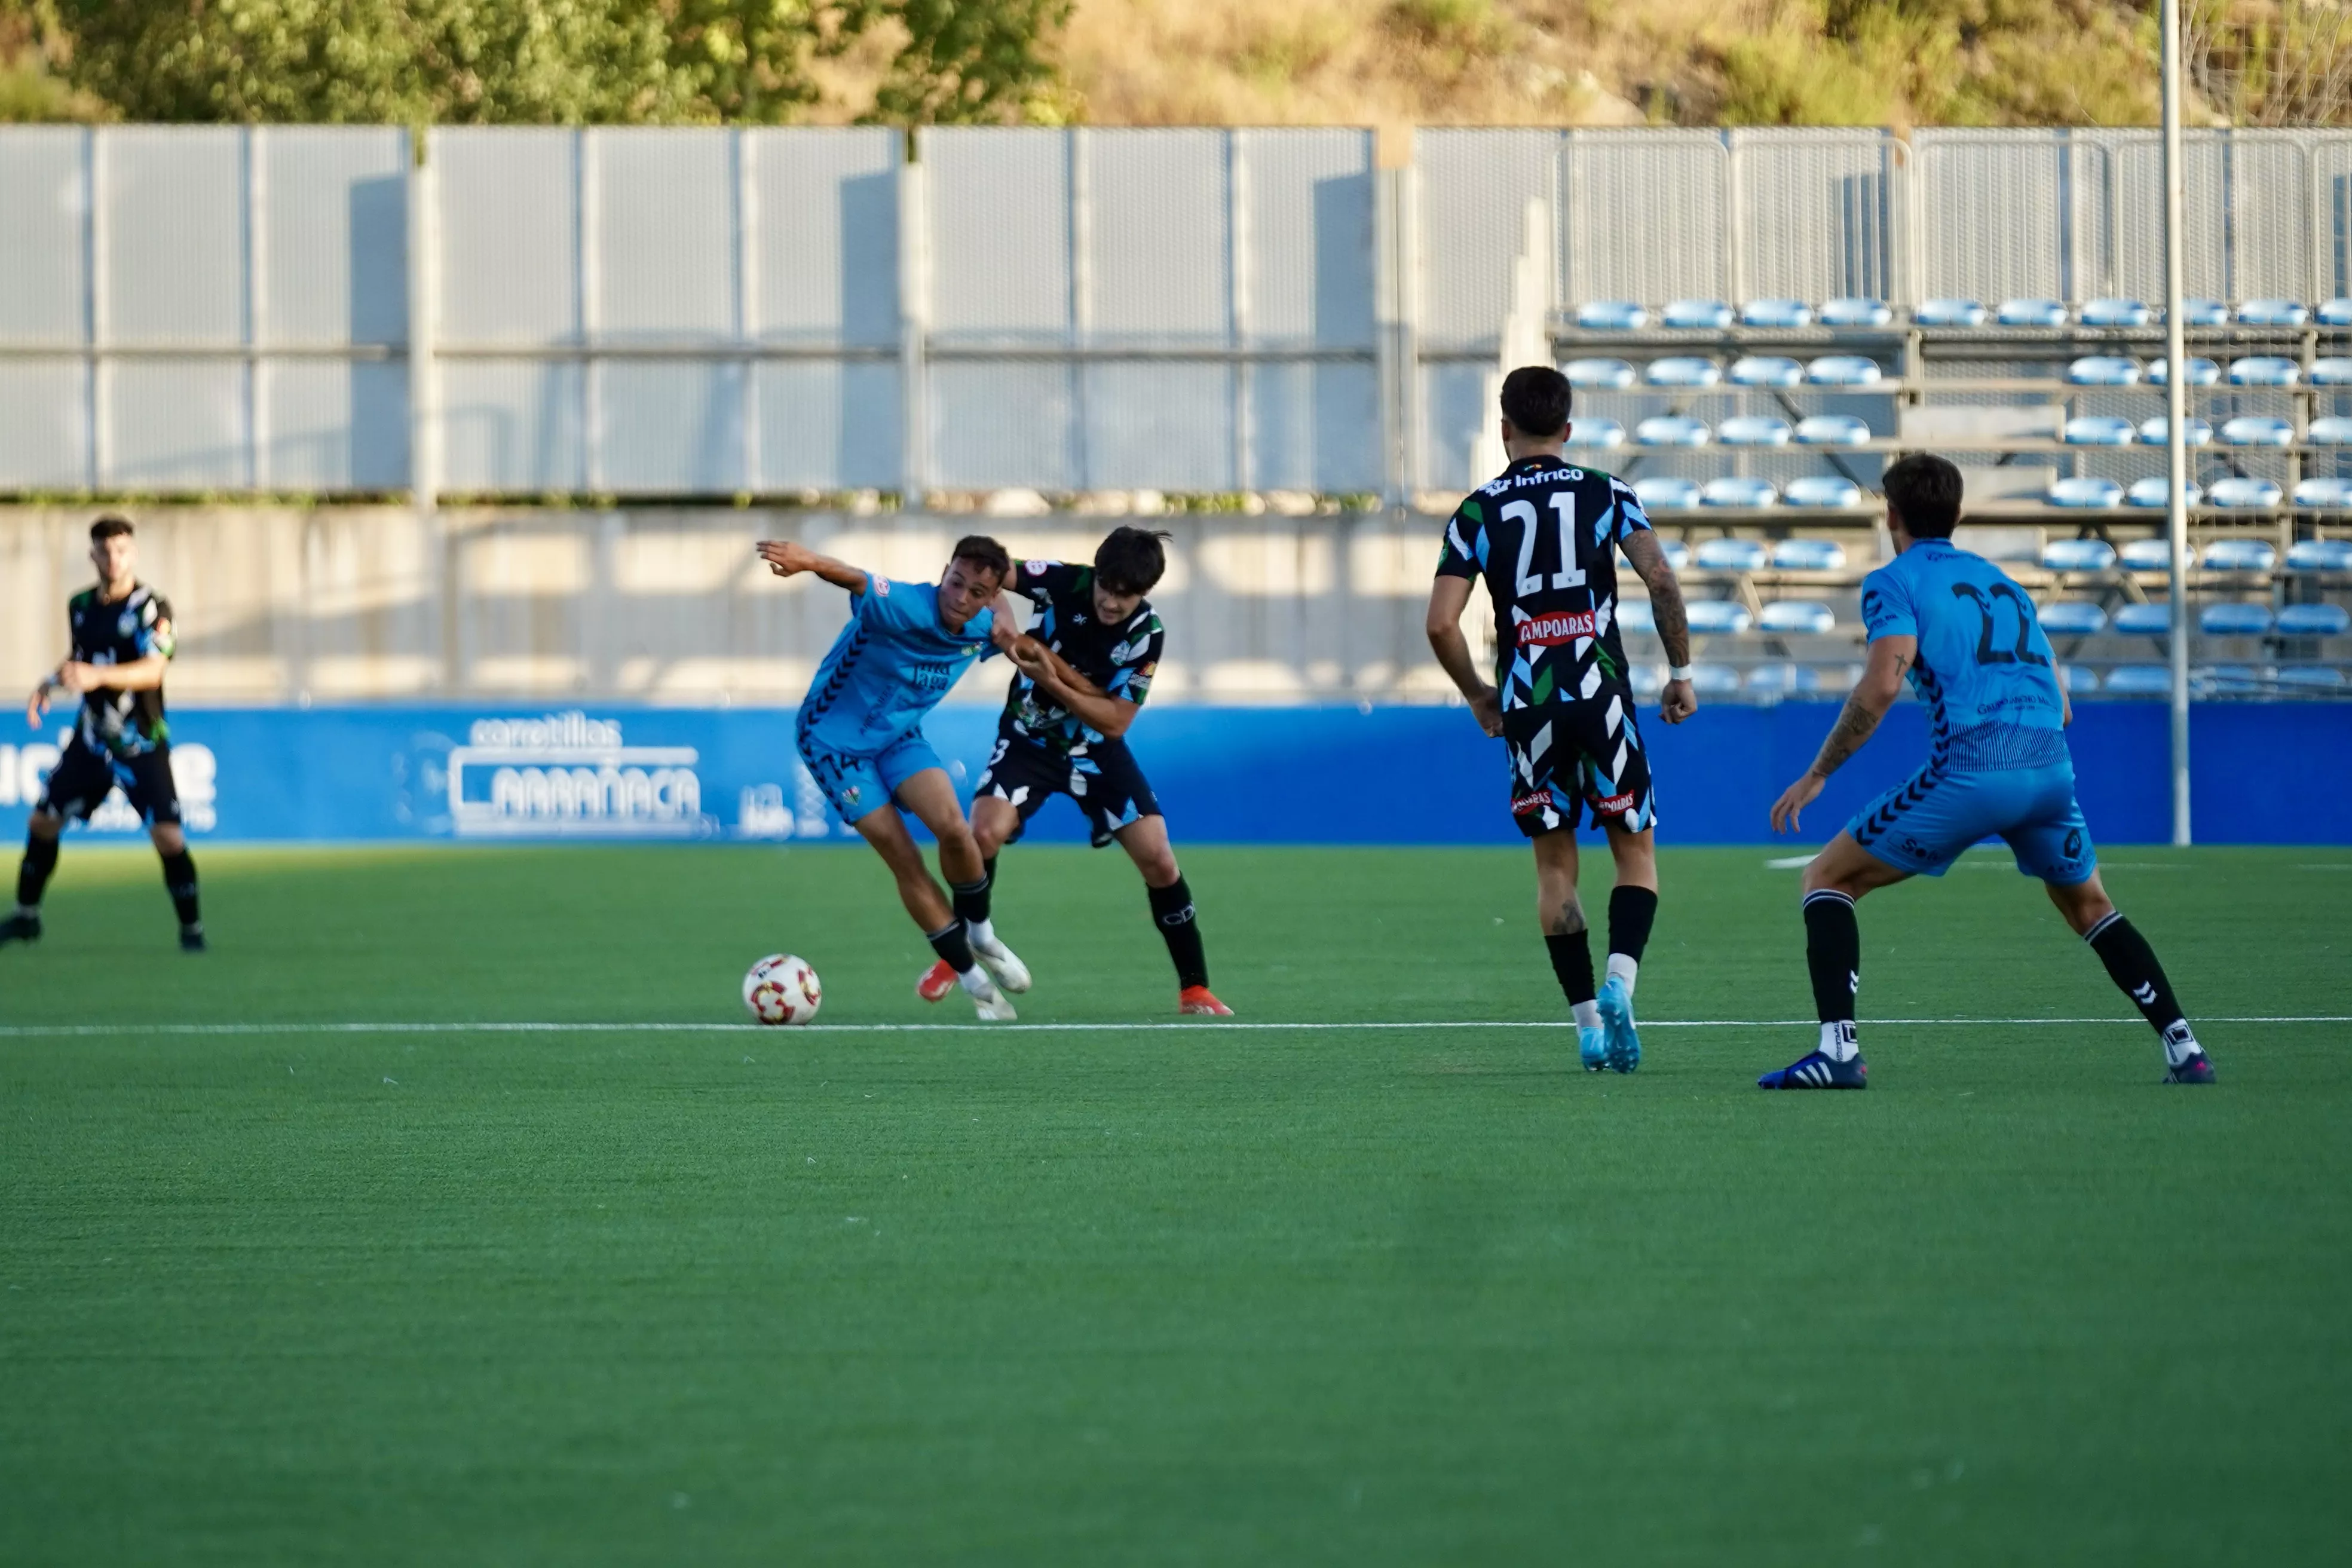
{"x":971,"y":899}
{"x":953,"y":943}
{"x":1630,"y":913}
{"x":33,"y":871}
{"x":2132,"y":966}
{"x":1571,"y":964}
{"x":1171,"y":912}
{"x":180,"y":882}
{"x":1833,"y":954}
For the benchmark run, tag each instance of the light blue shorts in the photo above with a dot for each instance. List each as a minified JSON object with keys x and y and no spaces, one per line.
{"x":860,"y":785}
{"x":1923,"y":824}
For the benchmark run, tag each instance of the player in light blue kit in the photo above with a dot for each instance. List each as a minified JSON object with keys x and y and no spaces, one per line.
{"x":1997,"y":764}
{"x":860,"y":732}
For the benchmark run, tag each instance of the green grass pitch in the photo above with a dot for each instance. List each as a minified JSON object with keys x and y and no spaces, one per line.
{"x":1198,"y":1295}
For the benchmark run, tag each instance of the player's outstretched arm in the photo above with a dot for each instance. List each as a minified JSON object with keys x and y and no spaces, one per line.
{"x":1448,"y":597}
{"x":1873,"y":695}
{"x":143,"y":674}
{"x":787,"y":558}
{"x":1680,"y":700}
{"x":1106,"y":715}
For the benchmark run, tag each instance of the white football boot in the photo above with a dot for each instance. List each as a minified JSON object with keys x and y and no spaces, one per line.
{"x":1002,"y":965}
{"x":990,"y":1001}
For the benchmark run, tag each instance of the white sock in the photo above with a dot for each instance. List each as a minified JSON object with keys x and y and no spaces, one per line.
{"x":982,"y":932}
{"x":2179,"y":1044}
{"x":1838,"y":1042}
{"x":29,"y":909}
{"x":1587,"y":1014}
{"x":1621,"y":967}
{"x":976,"y":982}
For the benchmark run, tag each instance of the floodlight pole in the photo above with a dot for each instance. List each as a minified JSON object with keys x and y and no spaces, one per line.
{"x":2176,"y":416}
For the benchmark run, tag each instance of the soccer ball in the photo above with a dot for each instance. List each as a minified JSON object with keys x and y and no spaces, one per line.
{"x":781,"y":989}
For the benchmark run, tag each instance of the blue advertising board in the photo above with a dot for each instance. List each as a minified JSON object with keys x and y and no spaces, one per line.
{"x":2264,"y":773}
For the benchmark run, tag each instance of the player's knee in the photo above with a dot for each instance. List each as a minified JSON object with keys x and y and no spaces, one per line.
{"x":167,"y":839}
{"x":1159,"y":870}
{"x":45,"y":825}
{"x":2084,"y":905}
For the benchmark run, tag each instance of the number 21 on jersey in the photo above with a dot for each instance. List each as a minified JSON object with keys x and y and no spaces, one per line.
{"x":1563,"y":507}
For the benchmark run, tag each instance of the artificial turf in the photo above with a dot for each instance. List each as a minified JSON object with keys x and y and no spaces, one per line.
{"x":1197,"y":1295}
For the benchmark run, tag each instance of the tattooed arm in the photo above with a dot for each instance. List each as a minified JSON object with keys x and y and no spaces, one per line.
{"x":1873,"y":694}
{"x":1679,"y":700}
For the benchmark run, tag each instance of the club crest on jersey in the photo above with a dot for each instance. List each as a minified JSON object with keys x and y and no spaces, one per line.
{"x":1560,"y":626}
{"x":1036,"y":568}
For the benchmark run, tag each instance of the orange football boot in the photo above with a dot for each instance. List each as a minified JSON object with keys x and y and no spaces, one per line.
{"x":937,"y":981}
{"x":1199,"y":1000}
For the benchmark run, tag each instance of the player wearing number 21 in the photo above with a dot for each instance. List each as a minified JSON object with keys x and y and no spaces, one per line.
{"x":1997,"y":765}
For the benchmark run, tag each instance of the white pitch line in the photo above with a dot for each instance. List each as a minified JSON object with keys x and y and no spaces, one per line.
{"x":56,"y":1031}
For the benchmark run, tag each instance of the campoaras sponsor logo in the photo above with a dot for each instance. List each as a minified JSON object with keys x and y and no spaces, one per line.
{"x":1529,"y":805}
{"x":1615,"y":803}
{"x":1560,"y":626}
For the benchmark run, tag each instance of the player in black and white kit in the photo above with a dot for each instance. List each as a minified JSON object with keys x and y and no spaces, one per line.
{"x":1085,"y":668}
{"x":122,"y":638}
{"x":1544,"y":535}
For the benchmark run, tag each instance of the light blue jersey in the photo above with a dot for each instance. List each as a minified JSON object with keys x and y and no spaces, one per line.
{"x":1984,"y":668}
{"x":890,"y":666}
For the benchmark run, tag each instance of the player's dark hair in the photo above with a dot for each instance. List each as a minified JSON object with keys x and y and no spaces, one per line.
{"x":1131,"y":560}
{"x":979,"y":550}
{"x":108,"y":526}
{"x":1925,"y":489}
{"x":1536,"y":400}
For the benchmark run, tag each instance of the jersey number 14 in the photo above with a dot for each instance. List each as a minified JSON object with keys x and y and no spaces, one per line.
{"x":1563,"y":505}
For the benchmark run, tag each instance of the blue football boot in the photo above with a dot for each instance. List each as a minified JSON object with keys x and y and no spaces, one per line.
{"x":2195,"y":1069}
{"x":1815,"y":1070}
{"x":1617,"y":1025}
{"x":1592,"y":1045}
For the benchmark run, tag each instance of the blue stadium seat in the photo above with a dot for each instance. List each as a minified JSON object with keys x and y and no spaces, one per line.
{"x":1852,"y":312}
{"x":2336,"y":313}
{"x":2272,"y":313}
{"x":2240,"y":493}
{"x":1949,"y":314}
{"x":2194,"y":431}
{"x":2156,"y":490}
{"x":1822,"y":492}
{"x":2099,"y":430}
{"x":1843,"y":370}
{"x":1636,"y":616}
{"x":1682,"y":371}
{"x":2031,"y":313}
{"x":2202,"y":372}
{"x":1665,"y":492}
{"x":2143,"y":620}
{"x":1738,"y":490}
{"x":2319,"y":555}
{"x":2235,"y":620}
{"x":2264,"y":370}
{"x":1753,"y":430}
{"x":2077,"y":678}
{"x":1677,"y":553}
{"x":1595,"y":432}
{"x":1798,"y":618}
{"x":2115,"y":313}
{"x":2323,"y":495}
{"x":2154,"y":555}
{"x":2229,"y":680}
{"x":1833,"y":430}
{"x":2074,"y":618}
{"x":2334,"y":431}
{"x":1784,"y":678}
{"x":2312,"y":678}
{"x":1808,"y":554}
{"x":2104,"y":370}
{"x":2240,"y":554}
{"x":2078,"y":555}
{"x":2331,"y":372}
{"x":1612,"y":316}
{"x":1717,"y":615}
{"x":1704,"y":314}
{"x":2313,"y":621}
{"x":1731,"y":556}
{"x":1779,"y":314}
{"x":2204,"y":313}
{"x":1767,"y":370}
{"x":1714,"y":679}
{"x":2139,"y":680}
{"x":1606,"y":374}
{"x":2084,"y":492}
{"x":2257,"y":430}
{"x":1672,"y":430}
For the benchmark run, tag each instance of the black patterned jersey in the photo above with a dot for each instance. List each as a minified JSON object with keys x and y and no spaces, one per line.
{"x":121,"y":723}
{"x":1543,"y":535}
{"x":1119,"y":659}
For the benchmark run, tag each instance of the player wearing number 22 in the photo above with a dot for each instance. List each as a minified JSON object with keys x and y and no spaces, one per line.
{"x":1544,"y":535}
{"x":1997,"y":765}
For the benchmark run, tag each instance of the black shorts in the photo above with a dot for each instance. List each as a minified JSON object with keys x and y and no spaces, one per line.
{"x":1566,"y":752}
{"x":82,"y":780}
{"x":1102,"y":780}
